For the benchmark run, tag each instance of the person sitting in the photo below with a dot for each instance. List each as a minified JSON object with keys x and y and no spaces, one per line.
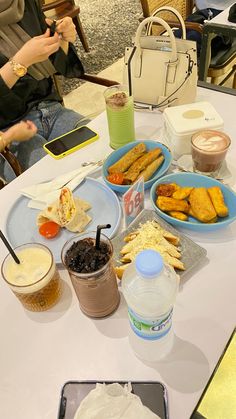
{"x":29,"y":57}
{"x":207,"y":10}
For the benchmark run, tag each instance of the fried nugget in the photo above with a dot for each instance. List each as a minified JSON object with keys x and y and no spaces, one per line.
{"x":165,"y":189}
{"x":178,"y":215}
{"x":125,"y":162}
{"x":182,"y":192}
{"x":218,"y":202}
{"x":201,"y":205}
{"x":167,"y":204}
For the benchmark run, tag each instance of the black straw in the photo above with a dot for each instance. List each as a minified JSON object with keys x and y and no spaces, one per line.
{"x":98,"y":235}
{"x":7,"y":244}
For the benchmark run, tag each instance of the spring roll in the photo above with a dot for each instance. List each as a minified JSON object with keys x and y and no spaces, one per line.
{"x":218,"y":202}
{"x":201,"y":205}
{"x":129,"y":158}
{"x":140,"y":164}
{"x":151,"y":168}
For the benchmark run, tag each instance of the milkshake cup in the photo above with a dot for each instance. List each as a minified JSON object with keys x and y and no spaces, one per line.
{"x":120,"y":115}
{"x":92,"y":274}
{"x":35,"y":281}
{"x":209,"y":149}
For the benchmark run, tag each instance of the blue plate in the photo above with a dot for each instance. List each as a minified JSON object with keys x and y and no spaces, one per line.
{"x":196,"y":180}
{"x":21,"y":221}
{"x":117,"y":154}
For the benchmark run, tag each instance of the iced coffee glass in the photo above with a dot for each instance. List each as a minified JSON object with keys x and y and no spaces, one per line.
{"x":209,"y":149}
{"x":35,"y":281}
{"x":92,"y":274}
{"x":120,"y":115}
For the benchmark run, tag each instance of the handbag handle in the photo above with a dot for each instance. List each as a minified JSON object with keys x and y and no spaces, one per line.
{"x":175,"y":12}
{"x":153,"y":19}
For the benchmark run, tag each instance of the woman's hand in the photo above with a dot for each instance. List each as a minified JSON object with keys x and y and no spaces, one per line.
{"x":38,"y":49}
{"x":22,"y":131}
{"x":65,"y":28}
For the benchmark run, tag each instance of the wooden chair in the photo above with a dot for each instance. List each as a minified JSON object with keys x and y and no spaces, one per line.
{"x":185,"y":8}
{"x":61,"y":8}
{"x":10,"y":158}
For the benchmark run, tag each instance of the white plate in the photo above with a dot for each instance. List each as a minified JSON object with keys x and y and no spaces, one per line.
{"x":21,"y":221}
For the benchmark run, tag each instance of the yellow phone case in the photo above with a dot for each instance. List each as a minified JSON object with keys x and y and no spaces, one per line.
{"x":71,"y":150}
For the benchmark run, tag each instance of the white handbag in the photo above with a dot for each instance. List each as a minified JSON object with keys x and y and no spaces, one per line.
{"x":161,"y":71}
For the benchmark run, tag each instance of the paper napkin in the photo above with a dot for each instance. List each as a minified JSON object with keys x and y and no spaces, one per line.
{"x":43,"y":194}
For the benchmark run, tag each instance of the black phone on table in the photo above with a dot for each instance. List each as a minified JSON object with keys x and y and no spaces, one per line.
{"x":70,"y":142}
{"x":153,"y":394}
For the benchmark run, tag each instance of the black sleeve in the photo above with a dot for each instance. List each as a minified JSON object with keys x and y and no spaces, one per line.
{"x":69,"y":65}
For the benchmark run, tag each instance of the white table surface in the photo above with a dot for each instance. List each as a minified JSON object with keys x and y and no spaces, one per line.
{"x":39,"y":352}
{"x":222,"y":18}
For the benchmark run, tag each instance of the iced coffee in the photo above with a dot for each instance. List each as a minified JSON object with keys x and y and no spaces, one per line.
{"x":92,"y":274}
{"x":35,"y":281}
{"x":209,"y":149}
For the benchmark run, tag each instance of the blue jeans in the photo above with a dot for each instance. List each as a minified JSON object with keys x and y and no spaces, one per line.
{"x":52,"y":120}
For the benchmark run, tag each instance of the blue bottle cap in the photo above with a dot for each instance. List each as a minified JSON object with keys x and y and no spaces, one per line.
{"x":149,"y":263}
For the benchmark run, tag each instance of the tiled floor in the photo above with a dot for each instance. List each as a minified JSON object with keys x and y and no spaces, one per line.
{"x":88,"y":98}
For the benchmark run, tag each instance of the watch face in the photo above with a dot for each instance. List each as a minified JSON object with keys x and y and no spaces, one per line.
{"x":21,"y":71}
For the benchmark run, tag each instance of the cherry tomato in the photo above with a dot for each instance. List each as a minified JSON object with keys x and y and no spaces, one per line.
{"x":116,"y":178}
{"x":49,"y":229}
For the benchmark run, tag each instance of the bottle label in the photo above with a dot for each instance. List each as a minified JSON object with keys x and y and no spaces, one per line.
{"x":150,"y":330}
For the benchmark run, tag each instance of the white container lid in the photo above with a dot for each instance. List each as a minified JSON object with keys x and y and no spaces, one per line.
{"x":192,"y":117}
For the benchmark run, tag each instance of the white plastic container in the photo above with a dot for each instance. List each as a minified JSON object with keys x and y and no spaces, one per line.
{"x":181,"y":122}
{"x":150,"y":287}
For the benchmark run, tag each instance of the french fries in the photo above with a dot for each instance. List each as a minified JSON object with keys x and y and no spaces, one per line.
{"x":135,"y":163}
{"x":203,"y":204}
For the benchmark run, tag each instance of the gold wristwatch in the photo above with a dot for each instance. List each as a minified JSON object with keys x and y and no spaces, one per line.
{"x":18,"y":69}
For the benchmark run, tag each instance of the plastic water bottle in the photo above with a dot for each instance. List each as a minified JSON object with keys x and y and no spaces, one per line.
{"x":150,"y":287}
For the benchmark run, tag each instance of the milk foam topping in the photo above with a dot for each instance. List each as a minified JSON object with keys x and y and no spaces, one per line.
{"x":214,"y":143}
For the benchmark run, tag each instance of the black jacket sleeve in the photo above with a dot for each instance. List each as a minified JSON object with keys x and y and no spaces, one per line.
{"x":69,"y":65}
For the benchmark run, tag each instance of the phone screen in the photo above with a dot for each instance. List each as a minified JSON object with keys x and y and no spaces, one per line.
{"x":70,"y":140}
{"x":152,"y":394}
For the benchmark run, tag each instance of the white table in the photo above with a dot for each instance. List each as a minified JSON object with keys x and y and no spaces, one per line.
{"x":222,"y":18}
{"x":39,"y":352}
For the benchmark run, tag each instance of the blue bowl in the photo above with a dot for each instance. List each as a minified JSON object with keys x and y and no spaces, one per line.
{"x":194,"y":179}
{"x":117,"y":154}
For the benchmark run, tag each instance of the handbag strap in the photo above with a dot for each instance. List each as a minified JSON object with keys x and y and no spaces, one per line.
{"x":175,"y":12}
{"x":153,"y":19}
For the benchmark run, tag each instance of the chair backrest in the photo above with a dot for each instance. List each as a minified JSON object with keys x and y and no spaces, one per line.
{"x":184,"y":7}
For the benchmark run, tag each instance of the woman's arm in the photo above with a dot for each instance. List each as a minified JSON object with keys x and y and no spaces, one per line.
{"x":22,"y":131}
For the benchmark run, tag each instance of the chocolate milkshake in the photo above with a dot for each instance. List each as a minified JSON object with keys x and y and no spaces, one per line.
{"x":92,"y":274}
{"x":209,"y":149}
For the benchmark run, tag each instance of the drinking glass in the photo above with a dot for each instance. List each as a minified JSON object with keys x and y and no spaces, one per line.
{"x":120,"y":115}
{"x":35,"y":281}
{"x":96,"y":291}
{"x":209,"y":148}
